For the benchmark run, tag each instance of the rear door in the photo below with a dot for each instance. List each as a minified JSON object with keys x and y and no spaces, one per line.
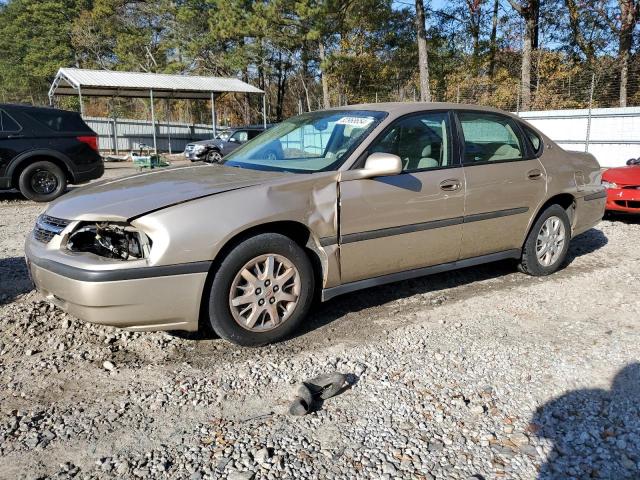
{"x":406,"y":221}
{"x":506,"y":183}
{"x":11,"y":140}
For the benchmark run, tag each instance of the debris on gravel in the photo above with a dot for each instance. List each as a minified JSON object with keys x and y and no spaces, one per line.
{"x":481,"y":373}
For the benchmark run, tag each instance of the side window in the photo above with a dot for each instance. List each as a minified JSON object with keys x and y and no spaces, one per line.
{"x":8,"y":124}
{"x":241,"y":136}
{"x":421,"y":141}
{"x":254,"y":133}
{"x":59,"y":120}
{"x":489,"y":138}
{"x":534,"y":138}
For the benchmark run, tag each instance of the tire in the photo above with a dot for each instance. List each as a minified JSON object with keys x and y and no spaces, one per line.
{"x":271,"y":155}
{"x":214,"y":156}
{"x":258,"y":327}
{"x":536,"y":259}
{"x":42,"y":181}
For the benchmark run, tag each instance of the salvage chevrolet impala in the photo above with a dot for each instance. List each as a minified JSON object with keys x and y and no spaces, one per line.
{"x":348,"y":198}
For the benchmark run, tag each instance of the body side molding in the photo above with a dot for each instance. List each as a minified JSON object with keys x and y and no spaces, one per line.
{"x":329,"y":293}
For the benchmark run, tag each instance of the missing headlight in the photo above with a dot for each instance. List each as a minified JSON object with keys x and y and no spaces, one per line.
{"x":118,"y":241}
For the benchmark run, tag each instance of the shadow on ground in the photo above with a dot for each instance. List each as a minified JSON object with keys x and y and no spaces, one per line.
{"x":583,"y":244}
{"x":595,"y":432}
{"x":628,"y":218}
{"x":14,"y":279}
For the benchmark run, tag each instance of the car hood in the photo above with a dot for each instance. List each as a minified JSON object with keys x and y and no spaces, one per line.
{"x":129,"y":197}
{"x":629,"y":175}
{"x":215,"y":141}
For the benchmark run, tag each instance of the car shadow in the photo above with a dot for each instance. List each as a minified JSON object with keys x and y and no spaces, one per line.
{"x":14,"y":279}
{"x":595,"y":432}
{"x":628,"y":218}
{"x":584,"y":244}
{"x":12,"y":196}
{"x":327,"y":312}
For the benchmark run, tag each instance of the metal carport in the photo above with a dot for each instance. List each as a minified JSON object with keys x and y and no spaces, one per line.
{"x":107,"y":83}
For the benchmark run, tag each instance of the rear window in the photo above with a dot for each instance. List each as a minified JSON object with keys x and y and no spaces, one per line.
{"x":8,"y":124}
{"x":59,"y":120}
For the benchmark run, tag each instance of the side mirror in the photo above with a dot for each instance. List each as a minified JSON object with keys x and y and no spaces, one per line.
{"x":378,"y":164}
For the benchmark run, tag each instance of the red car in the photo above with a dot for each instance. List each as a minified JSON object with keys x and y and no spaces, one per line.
{"x":623,"y":187}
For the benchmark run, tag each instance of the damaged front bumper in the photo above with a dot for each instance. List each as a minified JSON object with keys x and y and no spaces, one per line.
{"x":125,"y":294}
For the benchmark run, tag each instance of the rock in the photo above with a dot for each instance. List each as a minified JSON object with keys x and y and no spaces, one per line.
{"x":107,"y":365}
{"x":238,"y":475}
{"x":477,"y":409}
{"x":262,"y":455}
{"x":519,"y":439}
{"x":388,"y":468}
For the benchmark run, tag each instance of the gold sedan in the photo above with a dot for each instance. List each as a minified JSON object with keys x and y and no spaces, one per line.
{"x":325,"y":203}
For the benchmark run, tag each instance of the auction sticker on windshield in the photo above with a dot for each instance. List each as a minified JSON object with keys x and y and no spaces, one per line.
{"x":355,"y":121}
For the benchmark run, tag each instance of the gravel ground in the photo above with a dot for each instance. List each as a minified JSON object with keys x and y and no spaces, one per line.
{"x":480,"y":373}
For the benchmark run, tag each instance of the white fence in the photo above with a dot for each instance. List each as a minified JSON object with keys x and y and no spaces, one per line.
{"x":612,"y":135}
{"x":124,"y":135}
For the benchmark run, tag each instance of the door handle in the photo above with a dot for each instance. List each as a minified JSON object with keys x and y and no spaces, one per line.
{"x":450,"y":185}
{"x":534,"y":174}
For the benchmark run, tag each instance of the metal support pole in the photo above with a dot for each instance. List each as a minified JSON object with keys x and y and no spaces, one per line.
{"x":593,"y":83}
{"x":115,"y":135}
{"x":80,"y":98}
{"x":264,"y":109}
{"x":153,"y":122}
{"x":213,"y":114}
{"x":166,"y":101}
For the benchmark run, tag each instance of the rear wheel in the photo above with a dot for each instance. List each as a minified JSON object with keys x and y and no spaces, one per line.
{"x":547,"y":243}
{"x":262,"y":291}
{"x":42,"y":181}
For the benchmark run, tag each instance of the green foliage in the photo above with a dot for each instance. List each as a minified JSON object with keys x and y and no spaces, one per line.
{"x":370,"y":50}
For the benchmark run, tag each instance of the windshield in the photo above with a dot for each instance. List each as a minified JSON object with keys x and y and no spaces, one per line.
{"x":311,"y":142}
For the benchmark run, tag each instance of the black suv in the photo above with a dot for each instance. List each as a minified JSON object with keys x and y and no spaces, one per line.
{"x":213,"y":150}
{"x":43,"y":149}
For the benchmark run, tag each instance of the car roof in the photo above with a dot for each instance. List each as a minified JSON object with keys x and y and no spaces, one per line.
{"x":401,"y":108}
{"x":24,"y":106}
{"x":235,"y":129}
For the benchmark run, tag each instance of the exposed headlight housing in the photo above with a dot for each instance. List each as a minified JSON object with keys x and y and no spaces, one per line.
{"x":609,"y":184}
{"x":198,"y":148}
{"x":119,"y":241}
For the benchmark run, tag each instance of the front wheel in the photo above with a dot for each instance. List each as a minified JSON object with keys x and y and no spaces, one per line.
{"x":262,"y":291}
{"x":214,"y":156}
{"x":547,"y":243}
{"x":42,"y":181}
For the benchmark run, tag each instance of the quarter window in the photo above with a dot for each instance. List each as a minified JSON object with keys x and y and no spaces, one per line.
{"x":489,"y":138}
{"x":8,"y":124}
{"x":534,"y":138}
{"x":421,"y":141}
{"x":59,"y":120}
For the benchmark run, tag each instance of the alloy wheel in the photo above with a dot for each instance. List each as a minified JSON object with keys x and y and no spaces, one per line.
{"x":550,"y":241}
{"x":264,"y":293}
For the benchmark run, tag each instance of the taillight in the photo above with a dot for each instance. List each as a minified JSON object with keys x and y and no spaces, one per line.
{"x":90,"y":140}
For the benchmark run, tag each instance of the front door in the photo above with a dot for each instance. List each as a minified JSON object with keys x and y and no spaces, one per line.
{"x":406,"y":221}
{"x":506,"y":183}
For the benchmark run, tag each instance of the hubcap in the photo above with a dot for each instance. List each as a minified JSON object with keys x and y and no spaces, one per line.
{"x":264,"y":293}
{"x":550,"y":241}
{"x":43,"y":182}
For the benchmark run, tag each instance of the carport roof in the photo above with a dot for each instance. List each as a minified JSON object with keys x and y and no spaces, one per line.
{"x":69,"y":81}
